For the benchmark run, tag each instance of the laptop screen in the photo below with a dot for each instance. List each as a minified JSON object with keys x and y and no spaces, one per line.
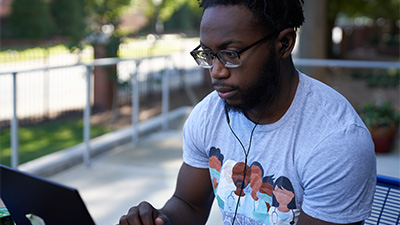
{"x":23,"y":194}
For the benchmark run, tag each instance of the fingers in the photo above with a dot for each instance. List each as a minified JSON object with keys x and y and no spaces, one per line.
{"x":159,"y":221}
{"x":143,"y":214}
{"x":162,"y":219}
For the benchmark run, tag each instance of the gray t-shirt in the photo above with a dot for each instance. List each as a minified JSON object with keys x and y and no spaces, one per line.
{"x":318,"y":157}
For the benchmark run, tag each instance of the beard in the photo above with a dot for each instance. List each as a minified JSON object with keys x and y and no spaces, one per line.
{"x":261,"y":91}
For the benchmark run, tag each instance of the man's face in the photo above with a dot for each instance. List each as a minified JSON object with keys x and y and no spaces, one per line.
{"x":250,"y":85}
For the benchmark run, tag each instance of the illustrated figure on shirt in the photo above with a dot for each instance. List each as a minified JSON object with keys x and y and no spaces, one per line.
{"x":263,"y":202}
{"x":256,"y":175}
{"x":216,"y":160}
{"x":226,"y":186}
{"x":245,"y":206}
{"x":283,"y":202}
{"x":238,"y":178}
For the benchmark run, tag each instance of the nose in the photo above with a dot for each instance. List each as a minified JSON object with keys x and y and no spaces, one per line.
{"x":218,"y":70}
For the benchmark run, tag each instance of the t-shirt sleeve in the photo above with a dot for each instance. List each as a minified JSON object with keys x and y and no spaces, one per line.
{"x":339,"y":177}
{"x":194,"y":152}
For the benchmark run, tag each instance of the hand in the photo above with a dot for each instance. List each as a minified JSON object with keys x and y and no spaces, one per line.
{"x":144,"y":214}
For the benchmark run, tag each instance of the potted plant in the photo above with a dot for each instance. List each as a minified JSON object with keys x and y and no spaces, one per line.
{"x":383,"y":122}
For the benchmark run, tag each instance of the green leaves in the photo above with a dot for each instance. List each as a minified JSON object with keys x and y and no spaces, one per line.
{"x":374,"y":9}
{"x":379,"y":115}
{"x":30,"y":19}
{"x":103,"y":12}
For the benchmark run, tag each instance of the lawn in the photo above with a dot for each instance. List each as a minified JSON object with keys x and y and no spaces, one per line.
{"x":130,"y":48}
{"x":35,"y":53}
{"x":42,"y":139}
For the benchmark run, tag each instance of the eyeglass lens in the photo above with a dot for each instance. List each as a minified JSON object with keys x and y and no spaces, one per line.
{"x":228,"y":58}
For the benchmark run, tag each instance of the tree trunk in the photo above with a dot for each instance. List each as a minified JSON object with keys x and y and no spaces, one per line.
{"x":313,"y":40}
{"x":104,"y":84}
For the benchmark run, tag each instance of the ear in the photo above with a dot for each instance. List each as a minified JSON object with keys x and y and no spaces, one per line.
{"x":285,"y":42}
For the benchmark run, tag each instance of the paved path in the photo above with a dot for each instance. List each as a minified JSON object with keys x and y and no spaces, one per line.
{"x":128,"y":175}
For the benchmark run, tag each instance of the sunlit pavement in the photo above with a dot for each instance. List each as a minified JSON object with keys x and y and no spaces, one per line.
{"x":128,"y":175}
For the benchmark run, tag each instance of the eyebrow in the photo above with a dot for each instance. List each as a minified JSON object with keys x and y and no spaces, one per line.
{"x":220,"y":46}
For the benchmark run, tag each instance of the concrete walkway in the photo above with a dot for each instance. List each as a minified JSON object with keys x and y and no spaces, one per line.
{"x":128,"y":175}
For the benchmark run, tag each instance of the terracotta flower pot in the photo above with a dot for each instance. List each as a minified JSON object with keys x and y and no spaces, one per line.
{"x":383,"y":138}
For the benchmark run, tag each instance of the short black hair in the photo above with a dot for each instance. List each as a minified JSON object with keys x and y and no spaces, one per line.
{"x":272,"y":15}
{"x":217,"y":153}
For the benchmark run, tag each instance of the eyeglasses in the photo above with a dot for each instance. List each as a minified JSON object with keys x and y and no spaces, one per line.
{"x":229,"y":58}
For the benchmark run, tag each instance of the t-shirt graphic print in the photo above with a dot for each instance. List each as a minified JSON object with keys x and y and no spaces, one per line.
{"x":263,"y":199}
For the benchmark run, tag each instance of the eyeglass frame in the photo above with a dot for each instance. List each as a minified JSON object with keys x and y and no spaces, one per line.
{"x":193,"y":53}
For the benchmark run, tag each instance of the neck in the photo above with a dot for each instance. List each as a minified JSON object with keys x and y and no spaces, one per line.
{"x":282,"y":99}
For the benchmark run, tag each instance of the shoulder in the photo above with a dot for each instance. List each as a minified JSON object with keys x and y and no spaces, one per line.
{"x":326,"y":96}
{"x":327,"y":107}
{"x":198,"y":130}
{"x":333,"y":124}
{"x":206,"y":109}
{"x":338,"y":169}
{"x":338,"y":176}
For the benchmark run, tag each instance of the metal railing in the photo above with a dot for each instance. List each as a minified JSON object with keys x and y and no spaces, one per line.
{"x":89,"y":67}
{"x":165,"y":92}
{"x":346,"y":63}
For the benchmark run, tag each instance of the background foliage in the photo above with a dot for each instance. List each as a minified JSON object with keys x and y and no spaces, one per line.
{"x":76,"y":20}
{"x":30,"y":19}
{"x":70,"y":18}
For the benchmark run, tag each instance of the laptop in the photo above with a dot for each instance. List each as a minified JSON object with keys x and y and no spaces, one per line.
{"x":54,"y":203}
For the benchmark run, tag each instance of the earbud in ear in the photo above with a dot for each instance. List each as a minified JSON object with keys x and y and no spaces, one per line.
{"x":285,"y":44}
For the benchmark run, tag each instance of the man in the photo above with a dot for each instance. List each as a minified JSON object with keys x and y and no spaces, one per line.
{"x":313,"y":147}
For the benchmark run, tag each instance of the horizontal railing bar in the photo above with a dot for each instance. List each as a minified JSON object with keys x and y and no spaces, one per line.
{"x":95,"y":62}
{"x":346,"y":63}
{"x":297,"y":61}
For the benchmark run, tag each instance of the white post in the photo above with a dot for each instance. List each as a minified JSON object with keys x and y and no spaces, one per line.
{"x":135,"y":104}
{"x":14,"y":126}
{"x":86,"y":119}
{"x":165,"y":95}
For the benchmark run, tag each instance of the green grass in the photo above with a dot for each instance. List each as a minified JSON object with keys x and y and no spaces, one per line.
{"x":15,"y":55}
{"x":132,"y":48}
{"x":39,"y":140}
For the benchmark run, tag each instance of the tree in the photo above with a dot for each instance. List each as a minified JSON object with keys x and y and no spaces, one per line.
{"x":374,"y":9}
{"x":30,"y":19}
{"x":104,"y":18}
{"x":371,"y":8}
{"x":313,"y":31}
{"x":162,"y":10}
{"x":185,"y":19}
{"x":105,"y":12}
{"x":312,"y":35}
{"x":70,"y":18}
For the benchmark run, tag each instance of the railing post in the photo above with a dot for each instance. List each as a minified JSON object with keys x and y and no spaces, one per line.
{"x":86,"y":118}
{"x":14,"y":126}
{"x":165,"y":94}
{"x":135,"y":104}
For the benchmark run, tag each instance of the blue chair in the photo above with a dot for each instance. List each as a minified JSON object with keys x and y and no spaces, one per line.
{"x":386,"y":205}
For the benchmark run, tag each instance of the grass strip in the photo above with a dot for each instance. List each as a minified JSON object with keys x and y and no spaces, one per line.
{"x":42,"y":139}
